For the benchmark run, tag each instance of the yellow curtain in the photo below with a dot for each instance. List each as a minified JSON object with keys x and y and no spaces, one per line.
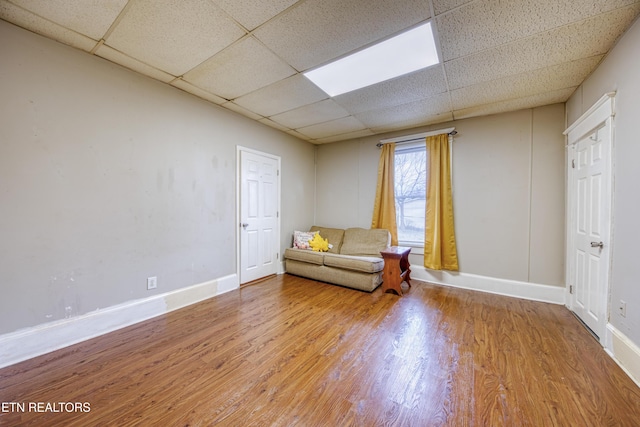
{"x":439,"y":240}
{"x":384,"y":207}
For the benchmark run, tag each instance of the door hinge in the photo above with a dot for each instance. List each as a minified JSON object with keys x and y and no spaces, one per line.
{"x":277,"y":255}
{"x":571,"y":289}
{"x":573,"y":163}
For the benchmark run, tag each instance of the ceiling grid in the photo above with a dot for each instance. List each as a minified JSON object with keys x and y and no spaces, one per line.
{"x":248,"y":56}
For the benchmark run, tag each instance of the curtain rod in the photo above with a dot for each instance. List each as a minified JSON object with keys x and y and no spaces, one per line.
{"x":416,"y":137}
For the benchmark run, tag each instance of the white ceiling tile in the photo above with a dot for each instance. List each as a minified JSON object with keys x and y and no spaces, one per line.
{"x":568,"y":74}
{"x":285,"y":95}
{"x":35,"y":23}
{"x":586,"y":38}
{"x":188,"y":87}
{"x":241,"y":110}
{"x":319,"y":112}
{"x":532,"y":101}
{"x":401,"y":90}
{"x":441,"y":6}
{"x":317,"y":31}
{"x":297,"y":134}
{"x":251,"y":13}
{"x":576,"y":10}
{"x":273,"y":124}
{"x":241,"y":68}
{"x":343,"y":137}
{"x":484,"y":24}
{"x":89,"y":17}
{"x":414,"y":123}
{"x":410,"y":112}
{"x":333,"y":127}
{"x":120,"y":58}
{"x":174,"y":35}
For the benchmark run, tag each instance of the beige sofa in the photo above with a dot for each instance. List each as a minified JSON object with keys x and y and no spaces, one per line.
{"x":354,"y":260}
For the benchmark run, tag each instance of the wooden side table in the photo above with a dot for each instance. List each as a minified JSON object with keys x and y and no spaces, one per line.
{"x":396,"y":268}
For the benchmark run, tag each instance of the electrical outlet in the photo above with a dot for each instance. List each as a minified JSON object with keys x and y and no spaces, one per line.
{"x":152,"y":282}
{"x":622,"y":308}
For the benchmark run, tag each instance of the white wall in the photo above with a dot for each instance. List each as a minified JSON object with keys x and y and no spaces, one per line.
{"x":108,"y":177}
{"x":619,"y":72}
{"x":508,"y":183}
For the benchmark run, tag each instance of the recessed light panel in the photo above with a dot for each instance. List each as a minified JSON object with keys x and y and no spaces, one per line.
{"x":410,"y":51}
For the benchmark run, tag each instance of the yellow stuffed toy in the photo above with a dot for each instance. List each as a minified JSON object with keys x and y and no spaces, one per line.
{"x":319,"y":244}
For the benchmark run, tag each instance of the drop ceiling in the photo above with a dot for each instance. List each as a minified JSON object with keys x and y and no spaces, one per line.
{"x":249,"y":55}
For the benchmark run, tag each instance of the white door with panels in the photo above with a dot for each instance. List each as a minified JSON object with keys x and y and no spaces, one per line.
{"x":259,"y":214}
{"x":589,"y":224}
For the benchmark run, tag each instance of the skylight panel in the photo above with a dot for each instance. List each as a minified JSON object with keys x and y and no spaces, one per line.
{"x":407,"y":52}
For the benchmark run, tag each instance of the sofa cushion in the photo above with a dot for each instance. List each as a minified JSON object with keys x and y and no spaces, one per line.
{"x":301,"y":239}
{"x":365,"y":242}
{"x":304,"y":255}
{"x":339,"y":276}
{"x":333,"y":235}
{"x":356,"y":263}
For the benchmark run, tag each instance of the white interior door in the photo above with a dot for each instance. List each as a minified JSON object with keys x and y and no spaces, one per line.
{"x":259,"y":215}
{"x":589,"y":196}
{"x":591,"y":229}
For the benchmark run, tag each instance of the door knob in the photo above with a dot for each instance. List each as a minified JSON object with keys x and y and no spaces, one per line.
{"x":597,"y":245}
{"x":244,"y":225}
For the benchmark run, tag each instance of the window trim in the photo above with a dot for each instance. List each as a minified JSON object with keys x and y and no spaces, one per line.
{"x":412,"y":146}
{"x":415,"y":140}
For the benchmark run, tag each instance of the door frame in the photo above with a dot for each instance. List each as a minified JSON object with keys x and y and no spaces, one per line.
{"x":239,"y":150}
{"x":599,"y":115}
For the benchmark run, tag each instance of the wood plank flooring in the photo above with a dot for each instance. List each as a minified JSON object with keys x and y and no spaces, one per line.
{"x":292,"y":352}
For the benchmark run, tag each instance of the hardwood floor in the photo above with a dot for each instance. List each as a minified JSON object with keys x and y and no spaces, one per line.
{"x":289,"y":351}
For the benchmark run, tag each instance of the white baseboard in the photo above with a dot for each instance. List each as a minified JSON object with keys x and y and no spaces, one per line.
{"x":31,"y":342}
{"x":624,"y":351}
{"x":511,"y":288}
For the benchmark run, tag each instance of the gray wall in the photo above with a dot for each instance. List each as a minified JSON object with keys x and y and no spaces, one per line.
{"x":508,"y":184}
{"x":619,"y":72}
{"x":108,"y":177}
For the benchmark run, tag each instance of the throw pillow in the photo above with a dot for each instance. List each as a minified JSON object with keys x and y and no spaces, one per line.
{"x":318,"y":244}
{"x":301,"y":239}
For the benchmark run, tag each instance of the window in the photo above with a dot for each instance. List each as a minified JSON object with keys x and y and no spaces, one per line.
{"x":410,"y":170}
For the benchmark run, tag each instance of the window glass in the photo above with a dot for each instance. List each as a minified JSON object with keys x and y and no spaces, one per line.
{"x":410,"y":192}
